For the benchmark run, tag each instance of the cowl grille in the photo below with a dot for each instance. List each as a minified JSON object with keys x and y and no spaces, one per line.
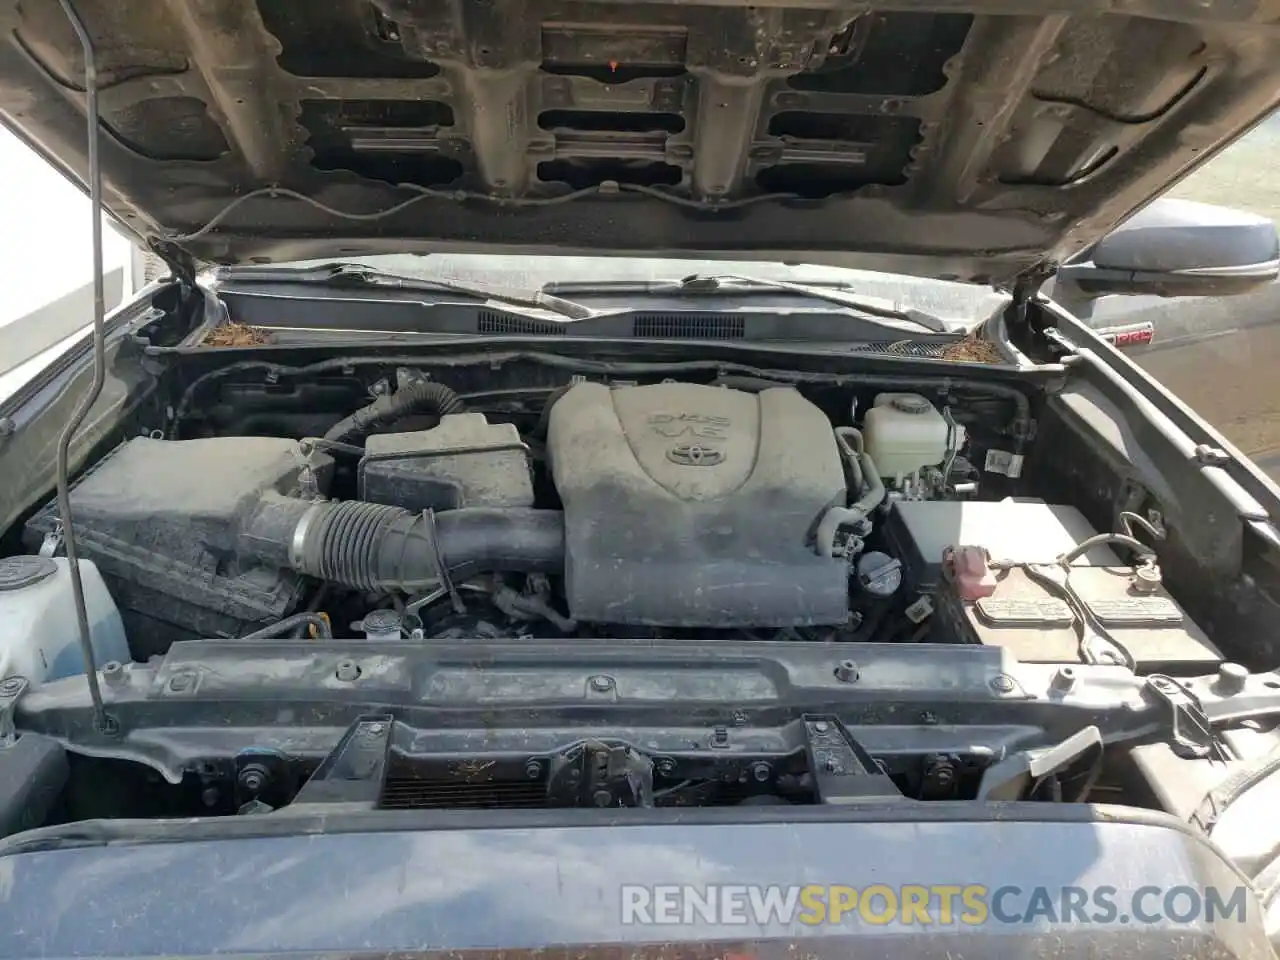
{"x":669,"y":326}
{"x":903,"y":348}
{"x":500,"y":323}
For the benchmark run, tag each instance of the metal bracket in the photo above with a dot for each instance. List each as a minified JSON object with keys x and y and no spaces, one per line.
{"x":843,"y":772}
{"x":207,"y":309}
{"x":593,"y":773}
{"x":1234,"y":698}
{"x":1028,"y":283}
{"x":11,"y":690}
{"x":52,"y":541}
{"x":1209,"y":456}
{"x":1021,"y":774}
{"x":176,"y":259}
{"x":262,"y":779}
{"x":354,"y":772}
{"x":1056,"y":337}
{"x":1192,"y":732}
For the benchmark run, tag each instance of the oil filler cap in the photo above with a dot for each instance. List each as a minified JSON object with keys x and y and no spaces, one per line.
{"x":879,"y":574}
{"x":23,"y":571}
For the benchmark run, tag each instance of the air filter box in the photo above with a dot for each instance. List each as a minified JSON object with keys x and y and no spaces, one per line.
{"x":161,"y":520}
{"x":466,"y":461}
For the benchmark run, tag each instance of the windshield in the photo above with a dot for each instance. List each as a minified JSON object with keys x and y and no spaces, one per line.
{"x":957,"y":303}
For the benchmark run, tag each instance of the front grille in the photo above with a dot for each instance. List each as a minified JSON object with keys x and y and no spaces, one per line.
{"x":411,"y":793}
{"x":400,"y":792}
{"x":710,"y":326}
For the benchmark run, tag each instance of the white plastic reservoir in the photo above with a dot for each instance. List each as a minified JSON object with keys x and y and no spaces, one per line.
{"x":39,"y":638}
{"x":903,"y":432}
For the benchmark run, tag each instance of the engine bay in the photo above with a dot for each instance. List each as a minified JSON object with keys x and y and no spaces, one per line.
{"x":662,"y":510}
{"x":602,"y":588}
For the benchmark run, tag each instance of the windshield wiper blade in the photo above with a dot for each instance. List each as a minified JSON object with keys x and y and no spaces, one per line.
{"x":723,"y":284}
{"x":875,"y":306}
{"x":357,"y":275}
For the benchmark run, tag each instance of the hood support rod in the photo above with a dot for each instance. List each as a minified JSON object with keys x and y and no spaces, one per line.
{"x":101,"y":721}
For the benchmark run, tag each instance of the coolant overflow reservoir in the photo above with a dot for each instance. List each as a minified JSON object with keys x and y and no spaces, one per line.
{"x":40,"y":638}
{"x":904,"y":432}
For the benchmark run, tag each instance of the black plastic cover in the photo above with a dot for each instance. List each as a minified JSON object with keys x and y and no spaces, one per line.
{"x":161,"y":520}
{"x":689,"y":505}
{"x":466,"y":461}
{"x":33,"y":772}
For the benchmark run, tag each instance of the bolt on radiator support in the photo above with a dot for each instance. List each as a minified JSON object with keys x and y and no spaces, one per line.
{"x":101,"y":720}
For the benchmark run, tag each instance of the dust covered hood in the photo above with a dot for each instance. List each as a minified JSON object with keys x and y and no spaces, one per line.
{"x":980,"y":140}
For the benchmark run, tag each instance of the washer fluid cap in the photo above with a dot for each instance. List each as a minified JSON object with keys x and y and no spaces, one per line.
{"x":23,"y":571}
{"x":911,"y":403}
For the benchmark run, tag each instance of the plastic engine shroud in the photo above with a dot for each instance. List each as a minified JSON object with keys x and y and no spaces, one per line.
{"x":693,"y":506}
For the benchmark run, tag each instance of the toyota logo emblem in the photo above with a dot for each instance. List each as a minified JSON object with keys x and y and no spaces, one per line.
{"x":695,"y":455}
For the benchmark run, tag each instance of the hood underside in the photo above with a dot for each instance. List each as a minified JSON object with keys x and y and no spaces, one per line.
{"x":961,"y":140}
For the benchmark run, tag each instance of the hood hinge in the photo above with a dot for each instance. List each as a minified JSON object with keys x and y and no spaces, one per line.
{"x":176,"y":259}
{"x":1024,"y":289}
{"x":200,"y":305}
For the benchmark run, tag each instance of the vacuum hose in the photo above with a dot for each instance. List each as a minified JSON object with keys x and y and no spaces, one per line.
{"x":870,"y":495}
{"x":369,"y":546}
{"x":416,"y":398}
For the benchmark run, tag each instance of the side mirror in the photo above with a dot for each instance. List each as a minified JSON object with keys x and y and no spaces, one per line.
{"x":1178,"y":248}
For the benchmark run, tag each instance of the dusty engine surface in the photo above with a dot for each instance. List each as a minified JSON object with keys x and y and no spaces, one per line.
{"x":163,"y":519}
{"x":663,"y":510}
{"x":691,"y":505}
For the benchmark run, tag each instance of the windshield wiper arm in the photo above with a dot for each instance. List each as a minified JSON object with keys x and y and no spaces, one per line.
{"x":722,"y":284}
{"x":875,"y":306}
{"x":358,"y":275}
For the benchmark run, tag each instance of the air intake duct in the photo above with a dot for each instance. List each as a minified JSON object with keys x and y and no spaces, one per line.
{"x":370,"y":546}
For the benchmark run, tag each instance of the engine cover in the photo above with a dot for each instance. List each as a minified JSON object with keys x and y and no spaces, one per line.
{"x":693,"y":506}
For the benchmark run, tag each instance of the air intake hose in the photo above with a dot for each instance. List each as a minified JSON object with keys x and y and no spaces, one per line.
{"x":386,"y":410}
{"x":369,"y":546}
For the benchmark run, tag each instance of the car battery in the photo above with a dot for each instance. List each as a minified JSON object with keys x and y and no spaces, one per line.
{"x":1032,"y":620}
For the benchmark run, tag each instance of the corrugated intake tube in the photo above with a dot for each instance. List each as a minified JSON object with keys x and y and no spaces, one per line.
{"x":374,"y":547}
{"x":412,"y":399}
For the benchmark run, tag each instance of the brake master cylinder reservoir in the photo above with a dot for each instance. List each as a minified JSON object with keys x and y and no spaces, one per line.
{"x":904,"y":432}
{"x":41,"y":640}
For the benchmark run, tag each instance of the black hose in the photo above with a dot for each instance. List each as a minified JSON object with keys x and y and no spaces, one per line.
{"x":872,"y":618}
{"x":373,"y":547}
{"x":317,"y":599}
{"x":544,"y":418}
{"x":281,"y":627}
{"x":416,"y":398}
{"x":1098,"y":539}
{"x":1019,"y":428}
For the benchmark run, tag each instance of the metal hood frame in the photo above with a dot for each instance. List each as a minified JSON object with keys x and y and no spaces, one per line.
{"x":969,"y":140}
